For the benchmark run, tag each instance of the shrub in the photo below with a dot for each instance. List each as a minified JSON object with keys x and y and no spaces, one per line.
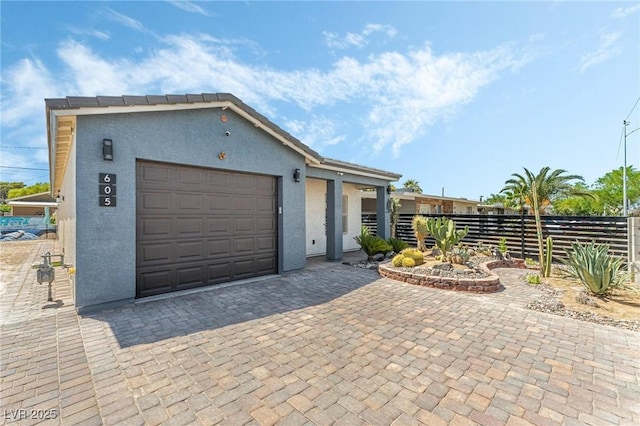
{"x":397,"y":260}
{"x":408,"y":262}
{"x":397,"y":244}
{"x":596,"y":269}
{"x":533,"y":279}
{"x":502,"y":245}
{"x":414,"y":254}
{"x":371,"y":244}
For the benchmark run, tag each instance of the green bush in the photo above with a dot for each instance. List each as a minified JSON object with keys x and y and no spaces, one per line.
{"x":533,"y":279}
{"x":408,"y":262}
{"x":596,"y":269}
{"x":371,"y":244}
{"x":397,"y":244}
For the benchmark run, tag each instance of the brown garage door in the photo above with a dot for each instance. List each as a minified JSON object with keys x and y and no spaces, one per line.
{"x":198,"y":226}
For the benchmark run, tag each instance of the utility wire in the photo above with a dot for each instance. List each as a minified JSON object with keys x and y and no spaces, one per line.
{"x":21,"y":168}
{"x":620,"y":143}
{"x":634,"y":107}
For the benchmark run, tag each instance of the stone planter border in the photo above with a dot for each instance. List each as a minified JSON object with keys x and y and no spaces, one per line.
{"x":489,"y":284}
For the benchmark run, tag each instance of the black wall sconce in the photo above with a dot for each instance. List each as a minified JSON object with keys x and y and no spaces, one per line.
{"x":389,"y":189}
{"x":107,"y":149}
{"x":296,"y":175}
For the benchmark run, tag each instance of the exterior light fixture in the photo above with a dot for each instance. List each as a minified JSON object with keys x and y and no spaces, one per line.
{"x":107,"y":149}
{"x":296,"y":175}
{"x":388,"y":189}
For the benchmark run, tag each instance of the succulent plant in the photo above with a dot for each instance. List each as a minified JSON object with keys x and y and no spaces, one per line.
{"x":444,"y":231}
{"x":408,"y":262}
{"x":420,"y":229}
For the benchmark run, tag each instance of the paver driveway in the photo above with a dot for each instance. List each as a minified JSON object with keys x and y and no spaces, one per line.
{"x":329,"y":345}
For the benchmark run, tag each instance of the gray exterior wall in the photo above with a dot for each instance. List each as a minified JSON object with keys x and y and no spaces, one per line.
{"x":106,"y":236}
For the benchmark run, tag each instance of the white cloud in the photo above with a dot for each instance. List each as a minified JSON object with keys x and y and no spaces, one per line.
{"x":318,"y":132}
{"x":188,"y":6}
{"x":623,"y":12}
{"x":394,"y":97}
{"x":126,"y":21}
{"x":23,"y":87}
{"x":606,"y":50}
{"x":358,"y":40}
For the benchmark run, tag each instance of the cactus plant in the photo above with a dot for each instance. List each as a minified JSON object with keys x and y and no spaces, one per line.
{"x":419,"y":225}
{"x":414,"y":254}
{"x":444,"y":231}
{"x":458,"y":255}
{"x":547,"y":258}
{"x":408,"y":262}
{"x":397,"y":260}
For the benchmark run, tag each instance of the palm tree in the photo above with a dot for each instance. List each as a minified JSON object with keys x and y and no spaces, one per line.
{"x":538,"y":191}
{"x":413,"y":184}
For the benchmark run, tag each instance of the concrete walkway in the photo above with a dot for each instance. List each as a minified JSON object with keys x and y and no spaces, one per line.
{"x":332,"y":344}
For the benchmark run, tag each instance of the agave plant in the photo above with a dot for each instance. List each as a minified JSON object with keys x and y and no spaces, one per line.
{"x":592,"y":264}
{"x":371,"y":244}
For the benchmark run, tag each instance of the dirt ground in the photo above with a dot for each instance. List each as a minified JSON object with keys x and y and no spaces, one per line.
{"x":623,"y":304}
{"x":12,"y":256}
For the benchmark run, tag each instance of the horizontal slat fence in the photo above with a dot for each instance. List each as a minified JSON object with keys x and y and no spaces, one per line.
{"x":520,"y":232}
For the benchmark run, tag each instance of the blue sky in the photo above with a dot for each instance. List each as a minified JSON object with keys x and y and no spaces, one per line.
{"x":457,"y":95}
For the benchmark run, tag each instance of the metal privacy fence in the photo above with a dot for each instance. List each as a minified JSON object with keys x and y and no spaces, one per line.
{"x":520,"y":231}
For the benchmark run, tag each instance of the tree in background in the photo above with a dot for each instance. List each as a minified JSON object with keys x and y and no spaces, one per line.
{"x":539,"y":190}
{"x":608,"y":192}
{"x":5,"y":187}
{"x":28,"y":190}
{"x":413,"y":184}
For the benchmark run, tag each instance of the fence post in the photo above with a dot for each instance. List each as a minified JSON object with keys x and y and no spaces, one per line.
{"x":633,"y":240}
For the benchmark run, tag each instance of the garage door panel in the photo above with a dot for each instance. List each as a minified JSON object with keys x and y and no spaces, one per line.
{"x":154,"y":282}
{"x":243,"y":225}
{"x":198,"y":226}
{"x":243,"y":246}
{"x":219,"y":248}
{"x":191,"y":276}
{"x":265,"y":265}
{"x":266,"y":224}
{"x":189,"y":227}
{"x":188,"y":251}
{"x":244,"y":268}
{"x":243,"y":204}
{"x":219,"y":225}
{"x":158,"y":202}
{"x":219,"y":272}
{"x":219,"y":204}
{"x":189,"y":177}
{"x":267,"y":244}
{"x":155,"y":253}
{"x":155,"y":228}
{"x":189,"y":203}
{"x":155,"y":173}
{"x":244,"y":183}
{"x":265,"y":206}
{"x":218,"y":181}
{"x":265,"y":185}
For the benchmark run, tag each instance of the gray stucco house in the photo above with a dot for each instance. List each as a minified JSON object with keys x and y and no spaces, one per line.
{"x":164,"y":193}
